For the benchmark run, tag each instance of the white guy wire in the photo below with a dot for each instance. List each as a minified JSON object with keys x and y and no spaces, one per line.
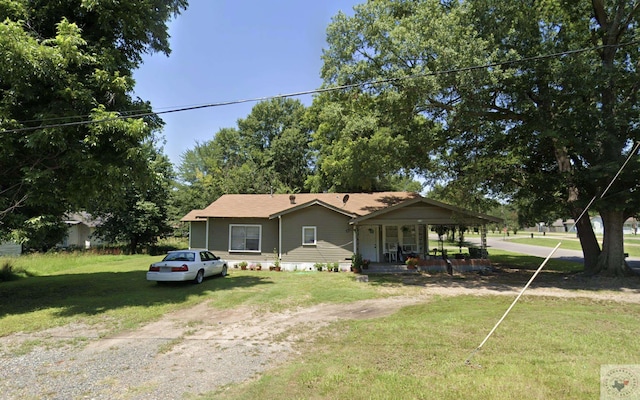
{"x":468,"y":361}
{"x":633,"y":151}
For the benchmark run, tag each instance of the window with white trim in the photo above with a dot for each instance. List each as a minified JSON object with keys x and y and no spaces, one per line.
{"x":308,"y":235}
{"x":245,"y":238}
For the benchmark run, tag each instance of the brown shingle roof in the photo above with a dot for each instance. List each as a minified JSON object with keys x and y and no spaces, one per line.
{"x":191,"y":216}
{"x":266,"y":205}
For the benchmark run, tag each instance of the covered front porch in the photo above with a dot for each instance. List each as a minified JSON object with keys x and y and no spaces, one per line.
{"x":429,"y":266}
{"x":416,"y":230}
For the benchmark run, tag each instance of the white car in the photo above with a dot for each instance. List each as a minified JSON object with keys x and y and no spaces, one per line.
{"x":187,"y":265}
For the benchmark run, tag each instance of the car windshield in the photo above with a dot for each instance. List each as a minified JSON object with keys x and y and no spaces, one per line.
{"x":180,"y":256}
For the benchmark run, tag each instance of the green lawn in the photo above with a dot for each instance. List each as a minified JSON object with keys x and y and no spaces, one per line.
{"x":112,"y":291}
{"x":509,"y":259}
{"x":546,"y":348}
{"x":631,"y":244}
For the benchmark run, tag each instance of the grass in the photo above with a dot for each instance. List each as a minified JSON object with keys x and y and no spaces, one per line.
{"x":631,"y":243}
{"x":519,"y":261}
{"x":546,"y":348}
{"x":112,"y":292}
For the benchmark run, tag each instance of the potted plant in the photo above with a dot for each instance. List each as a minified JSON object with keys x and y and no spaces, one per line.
{"x":357,"y":263}
{"x":319,"y":266}
{"x":243,"y":265}
{"x":276,"y":260}
{"x":412,"y":262}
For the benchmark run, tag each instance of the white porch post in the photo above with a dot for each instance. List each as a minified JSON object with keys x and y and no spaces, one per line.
{"x":279,"y":237}
{"x":426,"y":241}
{"x":483,"y":240}
{"x":190,"y":223}
{"x":355,"y":239}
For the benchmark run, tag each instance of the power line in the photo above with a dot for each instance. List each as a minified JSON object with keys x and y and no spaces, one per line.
{"x":135,"y":114}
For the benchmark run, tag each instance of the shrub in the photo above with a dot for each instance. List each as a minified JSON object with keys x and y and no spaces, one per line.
{"x":7,"y":272}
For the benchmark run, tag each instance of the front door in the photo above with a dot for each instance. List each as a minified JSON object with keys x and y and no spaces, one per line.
{"x":369,"y":239}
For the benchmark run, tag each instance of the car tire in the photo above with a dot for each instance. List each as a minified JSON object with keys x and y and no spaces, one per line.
{"x":199,"y":277}
{"x":224,"y":271}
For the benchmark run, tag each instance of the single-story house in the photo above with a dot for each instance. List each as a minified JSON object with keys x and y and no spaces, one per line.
{"x":80,"y":231}
{"x":302,"y":229}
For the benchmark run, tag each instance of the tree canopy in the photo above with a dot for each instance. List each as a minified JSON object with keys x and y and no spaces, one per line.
{"x":65,"y":85}
{"x":141,"y":215}
{"x":268,"y":152}
{"x":534,"y":102}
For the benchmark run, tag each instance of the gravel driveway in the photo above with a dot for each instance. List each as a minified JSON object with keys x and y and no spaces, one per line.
{"x":215,"y":348}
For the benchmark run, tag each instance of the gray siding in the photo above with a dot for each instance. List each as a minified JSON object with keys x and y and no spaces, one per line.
{"x":219,"y":238}
{"x":198,"y":235}
{"x":428,"y":214}
{"x":334,"y":236}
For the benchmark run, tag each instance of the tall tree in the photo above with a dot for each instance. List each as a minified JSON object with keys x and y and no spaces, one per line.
{"x":546,"y":123}
{"x":276,"y":141}
{"x":358,"y":146}
{"x":140,"y":217}
{"x":267,"y":152}
{"x":66,"y":80}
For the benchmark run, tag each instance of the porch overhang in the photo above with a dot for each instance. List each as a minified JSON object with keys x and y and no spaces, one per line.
{"x":425,"y":211}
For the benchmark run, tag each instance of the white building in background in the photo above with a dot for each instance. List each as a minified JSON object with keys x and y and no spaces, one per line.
{"x":10,"y":249}
{"x":81,"y":227}
{"x":630,"y":226}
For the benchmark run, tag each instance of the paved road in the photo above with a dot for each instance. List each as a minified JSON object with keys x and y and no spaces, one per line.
{"x":541,"y":251}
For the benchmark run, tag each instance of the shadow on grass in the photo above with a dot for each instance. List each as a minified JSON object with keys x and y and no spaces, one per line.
{"x":90,"y":294}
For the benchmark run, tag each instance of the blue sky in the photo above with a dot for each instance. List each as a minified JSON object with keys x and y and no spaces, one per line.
{"x":227,"y":50}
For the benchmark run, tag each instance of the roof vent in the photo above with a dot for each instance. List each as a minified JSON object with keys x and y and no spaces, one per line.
{"x":292,"y":199}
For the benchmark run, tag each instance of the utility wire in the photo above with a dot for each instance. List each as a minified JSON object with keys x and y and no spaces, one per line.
{"x":143,"y":114}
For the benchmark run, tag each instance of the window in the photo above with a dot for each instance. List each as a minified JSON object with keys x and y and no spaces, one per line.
{"x":245,"y":237}
{"x":409,"y":238}
{"x":391,"y":238}
{"x":308,"y":235}
{"x":207,"y":256}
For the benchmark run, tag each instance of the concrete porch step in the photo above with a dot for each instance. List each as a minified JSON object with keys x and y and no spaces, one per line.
{"x":388,"y":269}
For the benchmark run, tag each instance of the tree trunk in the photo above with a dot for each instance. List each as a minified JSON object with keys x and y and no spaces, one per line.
{"x":611,"y":261}
{"x":133,"y":246}
{"x":589,"y":243}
